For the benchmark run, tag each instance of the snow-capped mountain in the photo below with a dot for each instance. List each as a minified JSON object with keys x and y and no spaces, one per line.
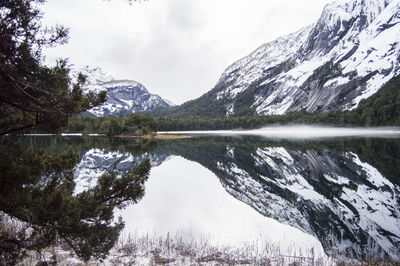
{"x":123,"y":96}
{"x":346,"y":56}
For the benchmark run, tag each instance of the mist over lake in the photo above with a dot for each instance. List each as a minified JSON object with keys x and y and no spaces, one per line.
{"x":300,"y":132}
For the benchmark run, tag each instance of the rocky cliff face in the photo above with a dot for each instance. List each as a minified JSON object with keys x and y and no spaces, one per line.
{"x":123,"y":96}
{"x":346,"y":56}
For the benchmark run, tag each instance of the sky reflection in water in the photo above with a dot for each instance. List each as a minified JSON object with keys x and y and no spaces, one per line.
{"x":184,"y":197}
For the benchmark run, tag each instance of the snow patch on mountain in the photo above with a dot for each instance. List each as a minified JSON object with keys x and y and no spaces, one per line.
{"x":245,"y":71}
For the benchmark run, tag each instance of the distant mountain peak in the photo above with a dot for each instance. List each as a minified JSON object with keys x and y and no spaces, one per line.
{"x":124,"y":96}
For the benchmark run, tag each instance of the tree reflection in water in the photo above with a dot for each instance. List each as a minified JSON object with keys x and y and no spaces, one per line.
{"x":37,"y":195}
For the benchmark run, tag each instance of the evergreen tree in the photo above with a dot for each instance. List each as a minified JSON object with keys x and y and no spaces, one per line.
{"x":33,"y":95}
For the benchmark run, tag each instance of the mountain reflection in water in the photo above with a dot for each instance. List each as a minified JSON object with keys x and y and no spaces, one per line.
{"x":345,"y":192}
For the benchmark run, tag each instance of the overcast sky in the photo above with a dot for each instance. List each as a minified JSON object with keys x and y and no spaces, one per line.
{"x":177,"y":49}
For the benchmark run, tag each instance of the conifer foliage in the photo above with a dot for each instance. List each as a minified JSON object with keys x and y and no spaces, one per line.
{"x":33,"y":95}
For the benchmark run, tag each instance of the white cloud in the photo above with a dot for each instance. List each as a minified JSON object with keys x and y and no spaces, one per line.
{"x":176,"y":48}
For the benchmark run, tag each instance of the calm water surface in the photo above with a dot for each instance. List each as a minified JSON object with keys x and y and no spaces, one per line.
{"x":340,"y":196}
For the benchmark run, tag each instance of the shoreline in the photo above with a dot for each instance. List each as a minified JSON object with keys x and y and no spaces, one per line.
{"x":148,"y":136}
{"x":157,"y":136}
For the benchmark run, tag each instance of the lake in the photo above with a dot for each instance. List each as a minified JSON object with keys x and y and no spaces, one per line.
{"x":335,"y":193}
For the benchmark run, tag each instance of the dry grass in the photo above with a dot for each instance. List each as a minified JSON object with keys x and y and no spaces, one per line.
{"x":147,"y":250}
{"x":137,"y":249}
